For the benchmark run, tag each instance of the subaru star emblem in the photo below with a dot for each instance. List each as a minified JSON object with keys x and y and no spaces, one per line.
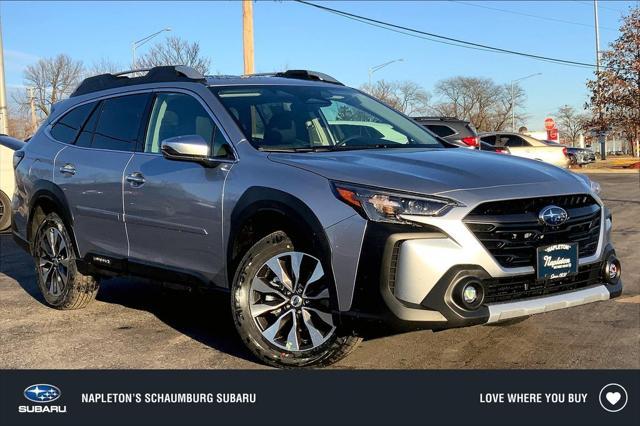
{"x":42,"y":393}
{"x":553,"y":215}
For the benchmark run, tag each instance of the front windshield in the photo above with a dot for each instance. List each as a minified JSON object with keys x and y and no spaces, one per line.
{"x":302,"y":118}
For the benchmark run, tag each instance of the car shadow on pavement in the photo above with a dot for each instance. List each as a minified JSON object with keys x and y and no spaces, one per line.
{"x":202,"y":317}
{"x":205,"y":317}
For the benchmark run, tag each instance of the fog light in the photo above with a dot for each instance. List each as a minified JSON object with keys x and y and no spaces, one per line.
{"x":612,"y":270}
{"x":469,"y":294}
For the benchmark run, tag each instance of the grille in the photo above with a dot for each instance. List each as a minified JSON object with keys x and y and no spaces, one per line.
{"x":511,"y":232}
{"x":522,"y":287}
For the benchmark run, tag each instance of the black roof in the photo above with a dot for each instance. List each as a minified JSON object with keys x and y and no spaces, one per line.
{"x":181,"y":73}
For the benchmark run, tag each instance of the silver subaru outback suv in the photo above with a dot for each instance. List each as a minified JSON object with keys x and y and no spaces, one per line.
{"x":314,"y":206}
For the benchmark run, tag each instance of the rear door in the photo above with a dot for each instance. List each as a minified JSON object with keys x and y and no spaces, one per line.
{"x":173,"y":209}
{"x":90,"y":172}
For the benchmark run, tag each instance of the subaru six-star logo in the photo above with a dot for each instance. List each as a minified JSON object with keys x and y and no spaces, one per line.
{"x":42,"y":393}
{"x":553,"y":215}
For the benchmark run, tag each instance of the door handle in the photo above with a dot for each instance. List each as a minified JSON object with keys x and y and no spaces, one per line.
{"x":68,"y":169}
{"x":135,"y":179}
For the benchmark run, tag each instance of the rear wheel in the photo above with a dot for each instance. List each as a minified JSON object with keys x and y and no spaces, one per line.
{"x":62,"y":286}
{"x":281,"y":303}
{"x":5,"y":211}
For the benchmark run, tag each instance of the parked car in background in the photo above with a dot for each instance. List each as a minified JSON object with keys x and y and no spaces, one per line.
{"x":577,"y":156}
{"x":453,"y":130}
{"x":528,"y":147}
{"x":7,"y":181}
{"x":484,"y":146}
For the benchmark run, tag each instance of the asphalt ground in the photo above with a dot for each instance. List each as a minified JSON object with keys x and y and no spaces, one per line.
{"x":136,"y":324}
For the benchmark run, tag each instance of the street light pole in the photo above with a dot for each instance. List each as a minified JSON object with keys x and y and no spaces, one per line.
{"x":136,"y":44}
{"x":513,"y":98}
{"x":379,"y":67}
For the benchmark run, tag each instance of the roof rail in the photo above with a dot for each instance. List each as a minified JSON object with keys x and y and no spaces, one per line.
{"x":167,"y":73}
{"x":301,"y":75}
{"x":441,"y":118}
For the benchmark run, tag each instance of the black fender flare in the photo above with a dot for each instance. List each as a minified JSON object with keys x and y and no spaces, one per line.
{"x":47,"y":190}
{"x":259,"y":199}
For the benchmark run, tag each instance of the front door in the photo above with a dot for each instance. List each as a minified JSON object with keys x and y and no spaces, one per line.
{"x":173,"y":209}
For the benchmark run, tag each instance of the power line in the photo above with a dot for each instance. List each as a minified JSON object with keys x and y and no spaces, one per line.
{"x":513,"y":12}
{"x":449,"y":40}
{"x":614,"y":9}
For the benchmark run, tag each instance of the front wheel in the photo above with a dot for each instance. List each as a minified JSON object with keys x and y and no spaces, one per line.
{"x":281,"y":306}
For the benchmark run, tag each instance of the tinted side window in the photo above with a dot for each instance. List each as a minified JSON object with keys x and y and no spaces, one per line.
{"x":119,"y":122}
{"x":491,"y":140}
{"x":86,"y":134}
{"x":441,"y":131}
{"x":514,"y":141}
{"x":66,"y":129}
{"x":177,"y":114}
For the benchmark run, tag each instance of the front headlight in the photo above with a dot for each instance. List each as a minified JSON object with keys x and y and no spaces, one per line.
{"x":385,"y":206}
{"x":595,"y":187}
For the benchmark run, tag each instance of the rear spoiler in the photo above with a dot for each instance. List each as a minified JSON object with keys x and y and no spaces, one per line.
{"x":11,"y":143}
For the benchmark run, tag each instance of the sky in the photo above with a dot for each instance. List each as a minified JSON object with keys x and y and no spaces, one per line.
{"x":291,"y":35}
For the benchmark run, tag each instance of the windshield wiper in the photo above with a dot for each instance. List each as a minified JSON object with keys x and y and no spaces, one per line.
{"x":301,"y":149}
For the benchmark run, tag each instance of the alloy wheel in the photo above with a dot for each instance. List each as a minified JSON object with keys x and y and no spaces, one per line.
{"x":53,"y":260}
{"x":289,"y":302}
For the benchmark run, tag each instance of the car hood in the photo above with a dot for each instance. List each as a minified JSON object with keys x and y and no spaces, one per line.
{"x":437,"y":171}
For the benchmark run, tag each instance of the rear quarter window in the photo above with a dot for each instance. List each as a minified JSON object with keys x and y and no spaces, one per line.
{"x":66,"y":129}
{"x":440,"y":130}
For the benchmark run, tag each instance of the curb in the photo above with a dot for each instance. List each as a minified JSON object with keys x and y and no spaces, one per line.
{"x":607,"y":171}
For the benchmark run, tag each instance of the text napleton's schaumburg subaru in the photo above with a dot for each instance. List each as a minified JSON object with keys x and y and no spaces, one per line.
{"x":315,"y":206}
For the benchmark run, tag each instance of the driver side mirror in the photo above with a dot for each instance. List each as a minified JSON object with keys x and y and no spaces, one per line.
{"x":185,"y":148}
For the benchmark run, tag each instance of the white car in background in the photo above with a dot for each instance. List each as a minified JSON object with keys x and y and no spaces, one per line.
{"x":528,"y":147}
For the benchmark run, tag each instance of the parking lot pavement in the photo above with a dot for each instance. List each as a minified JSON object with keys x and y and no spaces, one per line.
{"x":135,"y":324}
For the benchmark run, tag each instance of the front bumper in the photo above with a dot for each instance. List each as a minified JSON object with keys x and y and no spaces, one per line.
{"x":421,"y":267}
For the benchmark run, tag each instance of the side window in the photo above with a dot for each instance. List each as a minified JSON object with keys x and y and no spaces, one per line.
{"x":441,"y":131}
{"x":178,"y":114}
{"x":514,"y":141}
{"x":66,"y":129}
{"x":86,"y":134}
{"x":491,"y":140}
{"x":119,"y":122}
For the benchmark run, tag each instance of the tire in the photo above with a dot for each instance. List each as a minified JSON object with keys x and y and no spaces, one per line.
{"x":60,"y":283}
{"x":267,"y":307}
{"x":5,"y":212}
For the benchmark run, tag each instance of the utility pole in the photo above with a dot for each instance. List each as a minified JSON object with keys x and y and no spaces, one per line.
{"x":602,"y":136}
{"x":247,"y":36}
{"x":32,"y":105}
{"x":4,"y":117}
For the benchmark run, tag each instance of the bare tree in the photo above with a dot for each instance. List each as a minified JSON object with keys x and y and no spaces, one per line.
{"x":19,"y":125}
{"x":104,"y":66}
{"x":405,"y":96}
{"x":175,"y":51}
{"x":487,"y":105}
{"x":52,"y":79}
{"x":571,"y":124}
